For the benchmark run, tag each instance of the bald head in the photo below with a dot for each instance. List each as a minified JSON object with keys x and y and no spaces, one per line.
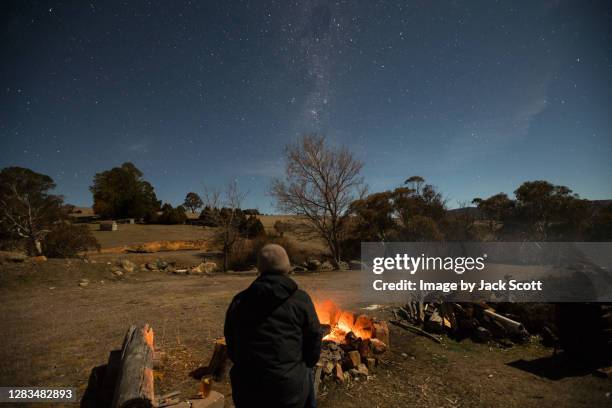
{"x":273,"y":259}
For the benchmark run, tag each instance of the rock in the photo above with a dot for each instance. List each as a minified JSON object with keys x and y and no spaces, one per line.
{"x":209,"y":267}
{"x":326,"y":266}
{"x":343,"y":266}
{"x":313,"y":264}
{"x":299,"y":269}
{"x":355,"y":265}
{"x":117,"y":273}
{"x":83,"y":283}
{"x":328,"y":367}
{"x":353,"y":359}
{"x":481,"y":335}
{"x":180,"y":271}
{"x":151,"y":266}
{"x":161,"y":265}
{"x":128,"y":265}
{"x":40,"y":258}
{"x":204,"y":267}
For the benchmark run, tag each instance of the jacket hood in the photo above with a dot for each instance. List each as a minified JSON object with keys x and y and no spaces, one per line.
{"x":272,"y":288}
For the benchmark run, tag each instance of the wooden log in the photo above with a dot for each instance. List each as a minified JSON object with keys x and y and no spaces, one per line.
{"x":135,"y":381}
{"x":416,"y":330}
{"x":219,"y":360}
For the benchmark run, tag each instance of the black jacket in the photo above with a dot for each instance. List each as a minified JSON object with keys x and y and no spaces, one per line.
{"x":274,"y":339}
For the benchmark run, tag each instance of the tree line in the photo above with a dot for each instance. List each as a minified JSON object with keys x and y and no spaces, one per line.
{"x":322,"y":184}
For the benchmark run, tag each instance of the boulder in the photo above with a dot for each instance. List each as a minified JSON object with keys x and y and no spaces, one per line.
{"x":326,"y":266}
{"x":208,"y":267}
{"x":151,"y":266}
{"x":118,"y":273}
{"x":161,"y":265}
{"x":343,"y":266}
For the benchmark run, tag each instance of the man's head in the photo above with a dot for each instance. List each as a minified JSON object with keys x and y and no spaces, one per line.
{"x":273,"y":259}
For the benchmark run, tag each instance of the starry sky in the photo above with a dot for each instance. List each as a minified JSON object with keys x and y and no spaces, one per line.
{"x":475,"y":96}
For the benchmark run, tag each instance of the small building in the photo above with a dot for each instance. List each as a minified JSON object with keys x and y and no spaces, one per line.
{"x":108,"y":226}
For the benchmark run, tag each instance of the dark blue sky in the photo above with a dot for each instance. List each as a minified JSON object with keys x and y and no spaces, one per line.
{"x":477,"y":97}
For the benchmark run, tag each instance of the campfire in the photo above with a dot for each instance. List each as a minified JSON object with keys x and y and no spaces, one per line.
{"x":352,"y":344}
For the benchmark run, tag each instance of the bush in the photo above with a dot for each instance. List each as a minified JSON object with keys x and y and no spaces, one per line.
{"x":245,"y":252}
{"x":66,"y":240}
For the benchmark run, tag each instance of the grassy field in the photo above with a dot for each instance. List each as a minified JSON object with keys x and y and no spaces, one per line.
{"x":133,"y":235}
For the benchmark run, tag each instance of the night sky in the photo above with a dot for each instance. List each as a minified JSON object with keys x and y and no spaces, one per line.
{"x":476,"y":97}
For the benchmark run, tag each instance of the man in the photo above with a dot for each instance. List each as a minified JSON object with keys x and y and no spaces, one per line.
{"x":273,"y":338}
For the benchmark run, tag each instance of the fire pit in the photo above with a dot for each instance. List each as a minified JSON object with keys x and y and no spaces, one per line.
{"x":352,"y":344}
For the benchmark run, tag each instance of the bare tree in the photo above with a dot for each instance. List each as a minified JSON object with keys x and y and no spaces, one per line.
{"x":225,"y":208}
{"x":320,"y":183}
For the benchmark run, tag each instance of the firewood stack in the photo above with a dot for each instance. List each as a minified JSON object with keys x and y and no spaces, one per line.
{"x":353,"y":358}
{"x":476,"y":320}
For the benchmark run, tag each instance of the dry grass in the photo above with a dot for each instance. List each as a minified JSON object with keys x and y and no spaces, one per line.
{"x":137,"y":234}
{"x":55,"y":337}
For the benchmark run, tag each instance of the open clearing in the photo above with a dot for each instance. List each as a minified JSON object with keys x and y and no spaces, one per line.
{"x":55,"y":332}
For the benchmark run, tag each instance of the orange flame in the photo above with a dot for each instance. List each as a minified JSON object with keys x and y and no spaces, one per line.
{"x":342,"y":322}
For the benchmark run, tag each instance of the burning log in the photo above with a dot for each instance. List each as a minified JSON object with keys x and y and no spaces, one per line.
{"x":135,"y":382}
{"x":352,"y":344}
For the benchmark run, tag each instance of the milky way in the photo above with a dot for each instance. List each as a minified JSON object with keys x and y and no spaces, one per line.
{"x":477,"y":97}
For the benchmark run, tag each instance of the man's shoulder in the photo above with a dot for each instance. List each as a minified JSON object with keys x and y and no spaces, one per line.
{"x":301,"y":296}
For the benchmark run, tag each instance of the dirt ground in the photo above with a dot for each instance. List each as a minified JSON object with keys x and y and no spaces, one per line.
{"x":55,"y":332}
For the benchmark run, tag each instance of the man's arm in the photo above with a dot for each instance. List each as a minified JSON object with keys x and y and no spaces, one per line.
{"x":312,"y":334}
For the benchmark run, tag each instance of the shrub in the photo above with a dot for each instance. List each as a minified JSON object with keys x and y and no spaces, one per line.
{"x":66,"y":240}
{"x":245,"y":252}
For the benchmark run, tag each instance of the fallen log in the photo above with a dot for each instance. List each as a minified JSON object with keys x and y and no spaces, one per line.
{"x":135,"y":381}
{"x":415,"y":330}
